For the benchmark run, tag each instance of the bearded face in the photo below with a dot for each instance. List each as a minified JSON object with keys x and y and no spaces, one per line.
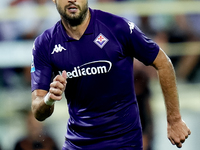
{"x":72,"y":12}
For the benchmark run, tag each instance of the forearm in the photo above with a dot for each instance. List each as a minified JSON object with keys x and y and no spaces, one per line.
{"x":168,"y":84}
{"x":43,"y":103}
{"x":167,"y":80}
{"x":40,"y":110}
{"x":177,"y":131}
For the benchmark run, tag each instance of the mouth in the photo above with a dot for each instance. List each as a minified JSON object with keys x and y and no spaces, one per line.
{"x":72,"y":9}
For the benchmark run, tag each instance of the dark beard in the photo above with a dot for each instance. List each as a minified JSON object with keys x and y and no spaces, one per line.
{"x":73,"y":21}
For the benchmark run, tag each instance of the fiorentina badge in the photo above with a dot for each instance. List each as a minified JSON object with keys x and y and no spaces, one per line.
{"x":101,"y":40}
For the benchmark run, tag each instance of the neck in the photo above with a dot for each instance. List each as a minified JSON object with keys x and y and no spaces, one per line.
{"x":76,"y":32}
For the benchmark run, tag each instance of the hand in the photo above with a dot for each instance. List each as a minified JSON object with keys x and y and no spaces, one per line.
{"x":57,"y":87}
{"x":178,"y":132}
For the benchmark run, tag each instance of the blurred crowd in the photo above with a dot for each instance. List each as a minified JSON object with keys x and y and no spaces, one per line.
{"x":163,"y":29}
{"x":36,"y":137}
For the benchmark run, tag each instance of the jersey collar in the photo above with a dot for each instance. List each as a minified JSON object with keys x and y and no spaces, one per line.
{"x":89,"y":30}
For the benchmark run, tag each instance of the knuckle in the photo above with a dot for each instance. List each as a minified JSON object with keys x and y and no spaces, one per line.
{"x":179,"y":145}
{"x":57,"y":83}
{"x":189,"y":132}
{"x":182,"y":139}
{"x":177,"y":140}
{"x":57,"y":91}
{"x":56,"y":77}
{"x":51,"y":96}
{"x":51,"y":90}
{"x":54,"y":91}
{"x":52,"y":84}
{"x":55,"y":97}
{"x":186,"y":136}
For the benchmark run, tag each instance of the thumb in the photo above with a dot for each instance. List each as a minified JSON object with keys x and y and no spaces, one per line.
{"x":64,"y":74}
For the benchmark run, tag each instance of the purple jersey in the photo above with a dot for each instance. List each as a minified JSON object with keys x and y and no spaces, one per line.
{"x":100,"y":90}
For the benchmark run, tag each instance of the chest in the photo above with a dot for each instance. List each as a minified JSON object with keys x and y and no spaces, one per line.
{"x":95,"y":50}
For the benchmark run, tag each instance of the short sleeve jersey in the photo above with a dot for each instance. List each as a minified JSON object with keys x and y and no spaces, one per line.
{"x":100,"y":90}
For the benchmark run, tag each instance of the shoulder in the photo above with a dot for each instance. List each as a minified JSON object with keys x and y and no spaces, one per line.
{"x":42,"y":43}
{"x":112,"y":21}
{"x":47,"y":36}
{"x":108,"y":18}
{"x":119,"y":26}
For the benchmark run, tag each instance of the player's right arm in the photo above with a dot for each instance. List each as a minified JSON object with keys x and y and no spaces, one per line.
{"x":42,"y":110}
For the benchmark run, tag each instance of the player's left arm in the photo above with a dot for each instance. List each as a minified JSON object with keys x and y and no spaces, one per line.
{"x":177,"y":130}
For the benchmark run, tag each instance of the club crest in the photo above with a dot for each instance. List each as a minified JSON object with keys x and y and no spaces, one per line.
{"x":101,"y":40}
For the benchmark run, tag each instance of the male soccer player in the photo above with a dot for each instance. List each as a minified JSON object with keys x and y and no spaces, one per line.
{"x":94,"y":50}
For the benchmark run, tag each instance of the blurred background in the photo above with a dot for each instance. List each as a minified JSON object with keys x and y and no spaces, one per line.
{"x":173,"y":24}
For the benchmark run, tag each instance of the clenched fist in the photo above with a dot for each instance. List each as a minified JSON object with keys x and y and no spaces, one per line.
{"x":57,"y":87}
{"x":178,"y":132}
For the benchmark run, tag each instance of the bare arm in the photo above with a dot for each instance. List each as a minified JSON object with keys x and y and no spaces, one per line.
{"x":40,"y":109}
{"x":177,"y":129}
